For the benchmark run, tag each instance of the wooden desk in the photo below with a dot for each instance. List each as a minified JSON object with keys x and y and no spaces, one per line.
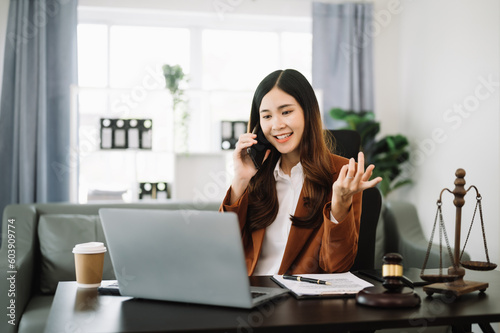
{"x":77,"y":310}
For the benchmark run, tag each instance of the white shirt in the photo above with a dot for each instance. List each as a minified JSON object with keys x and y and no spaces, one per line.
{"x":288,"y":189}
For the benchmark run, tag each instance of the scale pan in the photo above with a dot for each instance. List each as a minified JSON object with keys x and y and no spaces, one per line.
{"x":439,"y":278}
{"x":479,"y":265}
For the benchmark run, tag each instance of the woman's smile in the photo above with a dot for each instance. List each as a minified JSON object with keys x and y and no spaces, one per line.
{"x":283,"y":138}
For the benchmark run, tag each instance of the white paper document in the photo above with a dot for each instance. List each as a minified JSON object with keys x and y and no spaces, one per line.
{"x":341,"y":284}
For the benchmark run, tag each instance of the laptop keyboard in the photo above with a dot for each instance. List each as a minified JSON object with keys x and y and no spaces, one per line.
{"x":256,"y":294}
{"x":114,"y":285}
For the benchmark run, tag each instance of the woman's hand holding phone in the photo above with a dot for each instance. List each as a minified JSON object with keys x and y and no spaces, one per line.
{"x":244,"y":167}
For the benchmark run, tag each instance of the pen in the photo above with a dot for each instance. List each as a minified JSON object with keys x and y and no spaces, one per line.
{"x":304,"y":279}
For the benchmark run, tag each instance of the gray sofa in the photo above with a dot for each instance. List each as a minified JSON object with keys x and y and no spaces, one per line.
{"x":43,"y":236}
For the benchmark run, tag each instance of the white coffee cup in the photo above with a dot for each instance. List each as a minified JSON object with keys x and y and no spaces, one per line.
{"x":89,"y":262}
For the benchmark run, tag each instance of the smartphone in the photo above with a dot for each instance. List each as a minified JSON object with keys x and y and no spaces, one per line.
{"x":258,"y":150}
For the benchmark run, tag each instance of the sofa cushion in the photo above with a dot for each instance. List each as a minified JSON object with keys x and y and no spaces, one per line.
{"x":58,"y":234}
{"x":35,"y":316}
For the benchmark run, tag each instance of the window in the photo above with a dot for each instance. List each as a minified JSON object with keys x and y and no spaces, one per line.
{"x":134,"y":51}
{"x":93,"y":55}
{"x":297,"y":52}
{"x":238,"y":60}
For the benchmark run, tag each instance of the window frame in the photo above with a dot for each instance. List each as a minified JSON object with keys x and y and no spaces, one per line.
{"x":196,"y":22}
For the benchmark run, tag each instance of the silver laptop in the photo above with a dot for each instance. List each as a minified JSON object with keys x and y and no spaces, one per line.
{"x":181,"y":255}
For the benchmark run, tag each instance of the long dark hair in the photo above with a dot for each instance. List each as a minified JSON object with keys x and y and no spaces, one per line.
{"x":314,"y":156}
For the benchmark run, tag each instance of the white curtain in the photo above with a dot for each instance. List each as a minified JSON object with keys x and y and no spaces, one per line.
{"x":343,"y":57}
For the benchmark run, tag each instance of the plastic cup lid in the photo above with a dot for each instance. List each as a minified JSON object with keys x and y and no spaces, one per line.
{"x":89,"y":248}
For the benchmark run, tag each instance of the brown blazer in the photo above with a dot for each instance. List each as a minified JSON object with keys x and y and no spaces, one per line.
{"x":326,"y":249}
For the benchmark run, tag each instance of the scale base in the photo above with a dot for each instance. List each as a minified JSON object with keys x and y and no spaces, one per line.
{"x":456,"y":288}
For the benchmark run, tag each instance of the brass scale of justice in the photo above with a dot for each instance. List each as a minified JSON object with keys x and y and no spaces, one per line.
{"x":453,"y":282}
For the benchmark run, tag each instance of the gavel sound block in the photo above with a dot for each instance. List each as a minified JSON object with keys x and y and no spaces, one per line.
{"x":393,"y":293}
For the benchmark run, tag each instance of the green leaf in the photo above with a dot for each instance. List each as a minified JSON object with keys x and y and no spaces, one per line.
{"x":388,"y":154}
{"x":174,"y":75}
{"x":338,"y":114}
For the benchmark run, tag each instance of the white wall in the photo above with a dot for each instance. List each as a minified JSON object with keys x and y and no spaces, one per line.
{"x":448,"y":50}
{"x":387,"y":57}
{"x":4,"y":11}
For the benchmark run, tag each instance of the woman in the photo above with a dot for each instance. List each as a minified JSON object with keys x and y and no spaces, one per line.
{"x":299,"y":212}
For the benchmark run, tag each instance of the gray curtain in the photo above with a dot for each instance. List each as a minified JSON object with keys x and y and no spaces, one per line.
{"x":40,"y":64}
{"x":342,"y":57}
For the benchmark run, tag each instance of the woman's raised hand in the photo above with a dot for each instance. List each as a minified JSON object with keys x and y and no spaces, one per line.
{"x":351,"y":180}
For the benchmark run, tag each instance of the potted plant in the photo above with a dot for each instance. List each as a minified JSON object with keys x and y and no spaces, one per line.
{"x":387,"y":153}
{"x":175,"y":80}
